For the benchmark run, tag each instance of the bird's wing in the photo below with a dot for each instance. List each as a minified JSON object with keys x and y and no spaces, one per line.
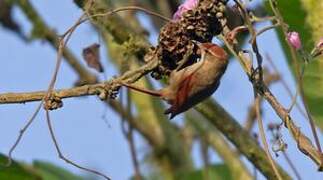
{"x":183,"y":91}
{"x":182,"y":95}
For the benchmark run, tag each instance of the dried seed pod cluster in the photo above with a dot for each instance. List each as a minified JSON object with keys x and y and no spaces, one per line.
{"x":200,"y":24}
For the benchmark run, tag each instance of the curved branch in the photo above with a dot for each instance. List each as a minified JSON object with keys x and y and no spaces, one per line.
{"x":229,"y":127}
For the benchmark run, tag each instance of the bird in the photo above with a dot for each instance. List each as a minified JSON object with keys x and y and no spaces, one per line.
{"x":192,"y":84}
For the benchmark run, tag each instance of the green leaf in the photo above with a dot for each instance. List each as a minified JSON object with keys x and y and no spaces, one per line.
{"x":37,"y":171}
{"x":50,"y":171}
{"x":296,"y":22}
{"x":313,"y":81}
{"x":17,"y":171}
{"x":218,"y":172}
{"x":297,"y":16}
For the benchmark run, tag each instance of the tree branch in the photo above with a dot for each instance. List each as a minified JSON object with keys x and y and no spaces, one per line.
{"x":101,"y":89}
{"x":225,"y":123}
{"x":304,"y":143}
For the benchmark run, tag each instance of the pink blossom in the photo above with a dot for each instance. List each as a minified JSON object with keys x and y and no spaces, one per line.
{"x":294,"y":40}
{"x":318,"y":49}
{"x":187,"y":5}
{"x":319,"y":45}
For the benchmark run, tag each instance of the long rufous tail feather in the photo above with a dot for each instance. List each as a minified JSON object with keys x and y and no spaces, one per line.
{"x":146,"y":91}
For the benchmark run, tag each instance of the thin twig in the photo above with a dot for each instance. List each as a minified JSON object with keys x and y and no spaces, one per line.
{"x":130,"y":8}
{"x":285,"y":85}
{"x":21,"y":133}
{"x":131,"y":141}
{"x":62,"y":43}
{"x":126,"y":8}
{"x":273,"y":4}
{"x":263,"y":137}
{"x":254,"y":18}
{"x":303,"y":142}
{"x":204,"y":147}
{"x":258,"y":33}
{"x":290,"y":163}
{"x":60,"y":154}
{"x":53,"y":39}
{"x":252,"y":115}
{"x":255,"y":171}
{"x":128,"y":133}
{"x":202,"y":128}
{"x":133,"y":152}
{"x":50,"y":87}
{"x":241,"y":138}
{"x":276,"y":135}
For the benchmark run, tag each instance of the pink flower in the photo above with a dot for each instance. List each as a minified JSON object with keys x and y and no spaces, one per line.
{"x":319,"y":45}
{"x":294,"y":40}
{"x":318,"y":49}
{"x":187,"y":5}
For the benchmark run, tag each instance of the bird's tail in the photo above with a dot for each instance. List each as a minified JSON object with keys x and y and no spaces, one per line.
{"x":146,"y":91}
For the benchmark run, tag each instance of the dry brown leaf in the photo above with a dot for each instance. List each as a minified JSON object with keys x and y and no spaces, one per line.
{"x":91,"y":55}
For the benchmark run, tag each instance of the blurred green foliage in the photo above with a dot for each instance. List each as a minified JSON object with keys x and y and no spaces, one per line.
{"x":218,"y":172}
{"x":17,"y":171}
{"x":38,"y":170}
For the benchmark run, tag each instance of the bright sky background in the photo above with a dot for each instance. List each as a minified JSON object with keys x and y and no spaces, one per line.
{"x":83,"y":135}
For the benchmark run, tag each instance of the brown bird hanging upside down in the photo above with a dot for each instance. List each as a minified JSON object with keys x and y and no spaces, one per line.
{"x":192,"y":84}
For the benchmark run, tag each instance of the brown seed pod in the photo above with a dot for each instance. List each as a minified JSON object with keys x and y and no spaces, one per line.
{"x":175,"y":39}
